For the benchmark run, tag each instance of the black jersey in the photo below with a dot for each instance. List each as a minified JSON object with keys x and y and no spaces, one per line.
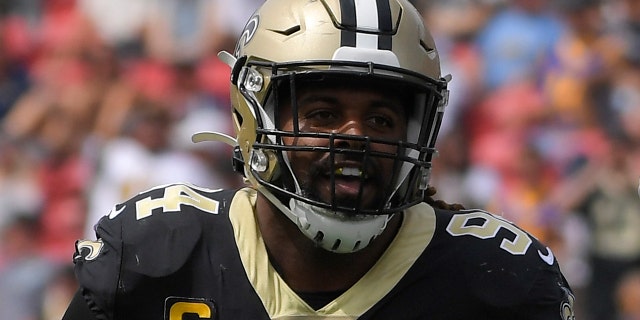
{"x":183,"y":252}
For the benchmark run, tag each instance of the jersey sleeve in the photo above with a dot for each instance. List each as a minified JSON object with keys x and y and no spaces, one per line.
{"x":149,"y":236}
{"x":506,"y":266}
{"x":79,"y":310}
{"x":551,"y":298}
{"x":97,"y":267}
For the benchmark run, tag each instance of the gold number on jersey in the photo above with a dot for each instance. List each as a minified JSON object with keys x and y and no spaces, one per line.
{"x":178,"y":309}
{"x":174,"y":197}
{"x":488,"y":228}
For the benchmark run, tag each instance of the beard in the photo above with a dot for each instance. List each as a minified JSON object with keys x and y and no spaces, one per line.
{"x":315,"y":184}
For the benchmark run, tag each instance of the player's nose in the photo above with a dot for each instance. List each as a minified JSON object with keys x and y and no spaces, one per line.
{"x":351,"y":135}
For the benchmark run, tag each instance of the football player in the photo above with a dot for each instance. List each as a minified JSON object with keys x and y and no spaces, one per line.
{"x":336,"y":107}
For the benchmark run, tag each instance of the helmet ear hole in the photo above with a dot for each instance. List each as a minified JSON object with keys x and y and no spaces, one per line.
{"x":237,"y":67}
{"x":237,"y":161}
{"x":238,"y":116}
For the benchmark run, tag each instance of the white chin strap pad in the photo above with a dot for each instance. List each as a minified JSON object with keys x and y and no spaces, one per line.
{"x":333,"y":232}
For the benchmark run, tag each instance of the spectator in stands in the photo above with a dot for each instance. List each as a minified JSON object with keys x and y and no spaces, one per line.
{"x":25,"y":273}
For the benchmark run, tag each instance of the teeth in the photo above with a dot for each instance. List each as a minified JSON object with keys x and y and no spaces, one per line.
{"x":350,"y":172}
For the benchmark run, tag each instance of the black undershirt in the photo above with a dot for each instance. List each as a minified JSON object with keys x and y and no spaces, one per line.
{"x":317,"y":300}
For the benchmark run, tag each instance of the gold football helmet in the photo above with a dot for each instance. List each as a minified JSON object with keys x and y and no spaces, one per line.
{"x":287,"y":42}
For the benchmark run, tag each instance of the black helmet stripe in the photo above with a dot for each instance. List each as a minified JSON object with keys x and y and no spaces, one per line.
{"x":366,"y":25}
{"x":349,"y":24}
{"x":385,"y":25}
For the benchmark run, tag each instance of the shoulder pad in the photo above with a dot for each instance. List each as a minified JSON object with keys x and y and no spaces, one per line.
{"x":496,"y":231}
{"x":158,"y":229}
{"x":507,"y":262}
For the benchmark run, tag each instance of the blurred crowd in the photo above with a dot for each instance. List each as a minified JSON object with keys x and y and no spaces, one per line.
{"x":99,"y":98}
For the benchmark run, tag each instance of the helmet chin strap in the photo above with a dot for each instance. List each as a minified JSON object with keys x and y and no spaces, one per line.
{"x":329,"y":230}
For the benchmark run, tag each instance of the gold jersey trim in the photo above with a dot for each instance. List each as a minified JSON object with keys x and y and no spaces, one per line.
{"x":281,"y":302}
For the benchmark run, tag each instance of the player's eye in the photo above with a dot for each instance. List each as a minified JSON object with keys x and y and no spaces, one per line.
{"x":321,"y":117}
{"x":381,"y":121}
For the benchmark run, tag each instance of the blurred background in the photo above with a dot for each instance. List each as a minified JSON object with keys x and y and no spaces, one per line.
{"x":99,"y":98}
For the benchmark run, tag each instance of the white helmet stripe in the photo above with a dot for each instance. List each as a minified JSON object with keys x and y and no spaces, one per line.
{"x":363,"y":22}
{"x":366,"y":18}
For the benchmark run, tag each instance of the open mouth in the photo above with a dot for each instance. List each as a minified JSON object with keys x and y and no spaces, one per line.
{"x":350,"y":172}
{"x":346,"y":184}
{"x":349,"y":181}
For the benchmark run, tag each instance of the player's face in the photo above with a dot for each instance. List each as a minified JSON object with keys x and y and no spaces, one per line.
{"x":375,"y":112}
